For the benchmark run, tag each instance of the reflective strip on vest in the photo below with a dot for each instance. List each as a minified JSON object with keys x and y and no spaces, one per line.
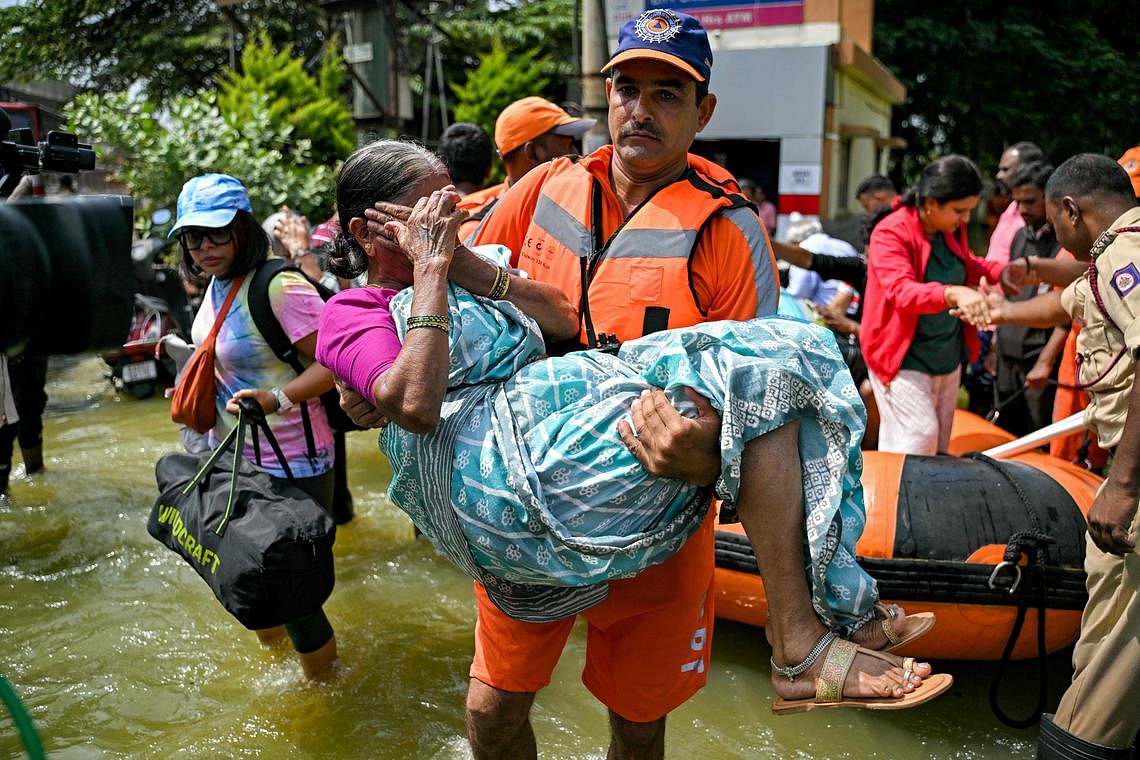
{"x":561,"y":225}
{"x":767,"y":298}
{"x":653,"y":244}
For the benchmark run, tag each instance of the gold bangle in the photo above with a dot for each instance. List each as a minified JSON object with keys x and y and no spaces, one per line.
{"x":435,"y":321}
{"x":501,"y":285}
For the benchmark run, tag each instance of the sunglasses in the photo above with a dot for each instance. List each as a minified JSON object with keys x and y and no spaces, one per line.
{"x":193,"y":238}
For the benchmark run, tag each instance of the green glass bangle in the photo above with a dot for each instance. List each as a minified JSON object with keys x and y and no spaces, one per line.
{"x":436,"y":321}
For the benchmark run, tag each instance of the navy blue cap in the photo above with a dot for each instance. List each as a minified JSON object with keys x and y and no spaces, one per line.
{"x":665,"y":35}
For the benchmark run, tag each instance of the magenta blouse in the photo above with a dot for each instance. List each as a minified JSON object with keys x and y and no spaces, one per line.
{"x":357,"y":337}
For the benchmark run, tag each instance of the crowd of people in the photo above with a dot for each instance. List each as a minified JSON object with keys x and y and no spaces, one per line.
{"x":568,"y":367}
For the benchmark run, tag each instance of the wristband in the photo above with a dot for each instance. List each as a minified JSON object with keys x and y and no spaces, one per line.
{"x":284,"y":403}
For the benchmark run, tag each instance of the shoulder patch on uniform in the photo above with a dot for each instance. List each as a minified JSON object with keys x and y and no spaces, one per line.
{"x":1125,"y":279}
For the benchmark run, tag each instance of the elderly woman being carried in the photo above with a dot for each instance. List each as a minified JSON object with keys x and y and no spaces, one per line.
{"x":513,"y":465}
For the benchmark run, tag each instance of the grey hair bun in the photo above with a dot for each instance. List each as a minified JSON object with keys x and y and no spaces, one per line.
{"x":345,"y":257}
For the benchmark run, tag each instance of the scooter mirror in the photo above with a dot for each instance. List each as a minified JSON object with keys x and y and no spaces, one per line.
{"x":160,"y":217}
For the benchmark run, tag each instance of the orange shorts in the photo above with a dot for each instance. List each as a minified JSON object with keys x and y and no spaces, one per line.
{"x":647,"y":646}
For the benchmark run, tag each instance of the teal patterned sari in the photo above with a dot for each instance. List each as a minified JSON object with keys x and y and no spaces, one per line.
{"x":527,"y":486}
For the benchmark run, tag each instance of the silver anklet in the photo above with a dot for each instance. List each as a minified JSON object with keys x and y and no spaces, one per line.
{"x":792,"y":671}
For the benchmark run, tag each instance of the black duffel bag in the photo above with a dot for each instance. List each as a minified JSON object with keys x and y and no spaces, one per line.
{"x":263,"y":546}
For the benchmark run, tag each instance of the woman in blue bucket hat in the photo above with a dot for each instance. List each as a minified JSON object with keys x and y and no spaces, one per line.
{"x":220,"y":239}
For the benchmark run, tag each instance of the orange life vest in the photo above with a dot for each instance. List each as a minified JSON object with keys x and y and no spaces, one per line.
{"x":479,"y":204}
{"x":638,"y":278}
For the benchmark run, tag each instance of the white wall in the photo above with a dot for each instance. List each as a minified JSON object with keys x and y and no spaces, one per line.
{"x":771,"y":93}
{"x":856,"y":106}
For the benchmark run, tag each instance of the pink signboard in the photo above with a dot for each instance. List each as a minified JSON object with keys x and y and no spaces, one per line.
{"x":729,"y":14}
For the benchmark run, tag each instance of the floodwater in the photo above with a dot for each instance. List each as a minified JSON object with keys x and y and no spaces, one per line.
{"x":119,"y":650}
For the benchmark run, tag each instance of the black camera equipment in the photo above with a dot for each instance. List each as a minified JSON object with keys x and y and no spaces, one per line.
{"x":66,"y":283}
{"x":60,"y":152}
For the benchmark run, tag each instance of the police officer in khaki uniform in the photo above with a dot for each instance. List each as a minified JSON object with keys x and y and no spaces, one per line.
{"x":1093,"y":210}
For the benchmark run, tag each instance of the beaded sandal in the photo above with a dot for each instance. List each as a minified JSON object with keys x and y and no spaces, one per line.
{"x":836,"y":664}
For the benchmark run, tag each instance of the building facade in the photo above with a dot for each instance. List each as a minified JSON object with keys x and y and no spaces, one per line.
{"x":804,"y":108}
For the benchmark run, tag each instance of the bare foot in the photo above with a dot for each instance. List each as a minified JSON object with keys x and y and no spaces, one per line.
{"x":270,"y":635}
{"x":318,"y":665}
{"x":870,"y":635}
{"x":879,"y":675}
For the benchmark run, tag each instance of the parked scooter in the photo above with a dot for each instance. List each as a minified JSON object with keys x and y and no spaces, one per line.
{"x":161,"y":308}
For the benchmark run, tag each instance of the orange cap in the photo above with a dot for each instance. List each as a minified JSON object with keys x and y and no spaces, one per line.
{"x":530,"y":117}
{"x":1131,"y":163}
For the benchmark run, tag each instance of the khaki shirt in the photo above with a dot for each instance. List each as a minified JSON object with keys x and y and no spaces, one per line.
{"x":1100,"y":341}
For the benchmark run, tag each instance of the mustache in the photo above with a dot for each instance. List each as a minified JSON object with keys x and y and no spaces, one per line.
{"x":641,"y":126}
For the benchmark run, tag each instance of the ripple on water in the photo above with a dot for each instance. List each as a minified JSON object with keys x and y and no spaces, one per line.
{"x":120,"y":650}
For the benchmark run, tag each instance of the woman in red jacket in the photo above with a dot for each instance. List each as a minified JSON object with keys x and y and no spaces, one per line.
{"x":918,"y":268}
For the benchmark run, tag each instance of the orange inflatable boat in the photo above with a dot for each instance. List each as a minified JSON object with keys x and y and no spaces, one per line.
{"x":937,"y":529}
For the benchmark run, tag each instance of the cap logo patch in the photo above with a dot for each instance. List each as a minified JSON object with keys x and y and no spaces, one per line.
{"x":1124,"y":280}
{"x":657,"y":26}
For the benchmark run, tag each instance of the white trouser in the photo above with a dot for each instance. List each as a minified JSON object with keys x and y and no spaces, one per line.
{"x":916,"y":411}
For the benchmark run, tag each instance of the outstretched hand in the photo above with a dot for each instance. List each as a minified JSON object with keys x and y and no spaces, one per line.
{"x":1017,"y":275}
{"x":670,"y":445}
{"x":292,"y":230}
{"x":969,"y":304}
{"x":981,"y":308}
{"x":995,"y":301}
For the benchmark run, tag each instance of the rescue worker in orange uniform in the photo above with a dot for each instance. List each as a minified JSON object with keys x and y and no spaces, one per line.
{"x":644,"y":236}
{"x":528,"y":132}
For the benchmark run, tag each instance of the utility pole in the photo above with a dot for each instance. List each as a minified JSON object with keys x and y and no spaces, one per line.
{"x":225,"y":7}
{"x":595,"y":53}
{"x":574,"y":83}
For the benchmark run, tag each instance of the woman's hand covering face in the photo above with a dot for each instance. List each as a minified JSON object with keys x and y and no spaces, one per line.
{"x":425,"y":232}
{"x":384,"y":212}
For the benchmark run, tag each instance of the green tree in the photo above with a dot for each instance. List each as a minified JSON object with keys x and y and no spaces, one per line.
{"x":499,"y":80}
{"x":167,"y":48}
{"x":311,"y":106}
{"x":981,"y":76}
{"x":157,"y":150}
{"x":273,"y":126}
{"x":539,"y":30}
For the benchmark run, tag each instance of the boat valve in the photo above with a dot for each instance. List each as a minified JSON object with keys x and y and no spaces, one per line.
{"x":993,"y":584}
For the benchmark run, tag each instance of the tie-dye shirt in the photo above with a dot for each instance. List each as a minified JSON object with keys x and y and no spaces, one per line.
{"x":245,"y":360}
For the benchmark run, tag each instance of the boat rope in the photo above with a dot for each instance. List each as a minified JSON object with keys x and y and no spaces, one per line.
{"x":23,"y":721}
{"x":995,"y":412}
{"x":1033,"y":544}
